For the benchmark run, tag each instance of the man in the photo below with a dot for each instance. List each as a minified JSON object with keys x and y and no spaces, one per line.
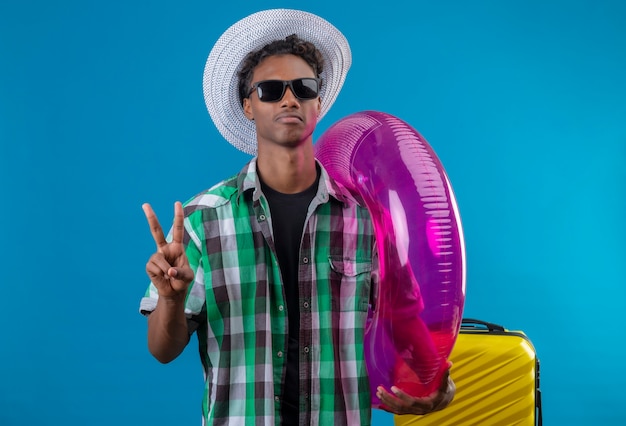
{"x":273,"y":267}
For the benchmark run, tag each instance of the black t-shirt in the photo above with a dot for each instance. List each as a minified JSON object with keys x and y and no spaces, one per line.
{"x":288,"y":212}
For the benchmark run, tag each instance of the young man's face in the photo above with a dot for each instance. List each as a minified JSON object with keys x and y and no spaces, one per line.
{"x":290,"y":121}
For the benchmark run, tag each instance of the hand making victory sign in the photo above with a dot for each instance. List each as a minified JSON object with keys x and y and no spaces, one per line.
{"x":171,"y":274}
{"x":168,"y":268}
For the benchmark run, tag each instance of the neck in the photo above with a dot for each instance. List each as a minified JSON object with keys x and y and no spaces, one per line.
{"x":288,"y":170}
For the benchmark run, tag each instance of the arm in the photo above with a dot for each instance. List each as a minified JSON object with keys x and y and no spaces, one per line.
{"x":167,"y":329}
{"x":171,"y":274}
{"x":401,"y":307}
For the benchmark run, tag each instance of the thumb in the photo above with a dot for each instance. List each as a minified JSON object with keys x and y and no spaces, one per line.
{"x":181,"y":273}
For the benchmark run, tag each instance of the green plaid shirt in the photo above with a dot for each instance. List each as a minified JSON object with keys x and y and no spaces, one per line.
{"x":237,"y":305}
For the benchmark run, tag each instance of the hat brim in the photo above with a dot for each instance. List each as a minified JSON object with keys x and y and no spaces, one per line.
{"x":220,"y":80}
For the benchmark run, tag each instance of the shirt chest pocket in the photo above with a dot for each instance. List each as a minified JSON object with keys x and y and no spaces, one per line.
{"x":350,"y":282}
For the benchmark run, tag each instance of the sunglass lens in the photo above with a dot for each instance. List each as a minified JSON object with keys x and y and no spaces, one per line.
{"x":305,"y":88}
{"x":270,"y":91}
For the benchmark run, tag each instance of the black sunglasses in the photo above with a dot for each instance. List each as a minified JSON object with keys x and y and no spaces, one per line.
{"x":274,"y":90}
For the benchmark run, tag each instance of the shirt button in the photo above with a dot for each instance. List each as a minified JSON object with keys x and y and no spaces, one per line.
{"x":261,"y":217}
{"x":281,"y":308}
{"x":305,"y":259}
{"x":306,"y":349}
{"x":276,"y":398}
{"x":279,"y":354}
{"x":306,"y":305}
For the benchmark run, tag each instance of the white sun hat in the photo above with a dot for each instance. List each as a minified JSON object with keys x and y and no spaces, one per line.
{"x":221,"y":82}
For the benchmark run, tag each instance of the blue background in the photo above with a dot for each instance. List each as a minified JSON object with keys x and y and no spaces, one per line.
{"x":101,"y":109}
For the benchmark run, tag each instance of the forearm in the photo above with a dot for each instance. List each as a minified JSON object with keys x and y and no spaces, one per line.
{"x":167,"y":329}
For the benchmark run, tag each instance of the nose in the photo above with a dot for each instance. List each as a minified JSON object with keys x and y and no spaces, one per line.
{"x":289,"y":99}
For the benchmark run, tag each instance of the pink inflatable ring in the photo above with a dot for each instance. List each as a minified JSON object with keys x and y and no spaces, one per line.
{"x":417,"y":313}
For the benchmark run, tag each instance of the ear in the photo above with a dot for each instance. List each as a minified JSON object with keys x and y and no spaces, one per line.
{"x":319,"y":106}
{"x":247,"y":109}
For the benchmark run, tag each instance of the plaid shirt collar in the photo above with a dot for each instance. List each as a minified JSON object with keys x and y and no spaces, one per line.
{"x":248,"y":180}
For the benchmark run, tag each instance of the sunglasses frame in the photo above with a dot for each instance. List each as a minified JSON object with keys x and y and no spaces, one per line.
{"x":255,"y":86}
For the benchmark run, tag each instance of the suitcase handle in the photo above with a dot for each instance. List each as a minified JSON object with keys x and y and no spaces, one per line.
{"x":476,"y":323}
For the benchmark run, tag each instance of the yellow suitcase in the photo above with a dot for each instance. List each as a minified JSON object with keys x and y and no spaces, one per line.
{"x":496,"y":372}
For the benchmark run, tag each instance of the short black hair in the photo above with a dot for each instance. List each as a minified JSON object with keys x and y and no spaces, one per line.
{"x":291,"y":45}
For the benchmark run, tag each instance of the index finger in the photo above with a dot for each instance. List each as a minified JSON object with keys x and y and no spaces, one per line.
{"x":155,"y":226}
{"x":179,"y":219}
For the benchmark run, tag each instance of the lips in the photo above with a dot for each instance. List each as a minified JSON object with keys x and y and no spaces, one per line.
{"x":289,"y":117}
